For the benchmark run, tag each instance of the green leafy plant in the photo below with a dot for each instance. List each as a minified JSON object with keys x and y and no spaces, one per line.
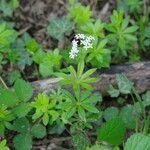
{"x":144,"y":34}
{"x":112,"y":132}
{"x":137,"y":141}
{"x":3,"y":145}
{"x":121,"y":37}
{"x":79,"y":14}
{"x":48,"y":62}
{"x":125,"y":86}
{"x":26,"y":133}
{"x":130,"y":5}
{"x":99,"y":56}
{"x":58,"y":28}
{"x":7,"y":36}
{"x":76,"y":109}
{"x":5,"y":117}
{"x":78,"y":79}
{"x":45,"y":109}
{"x":85,"y":103}
{"x":95,"y":29}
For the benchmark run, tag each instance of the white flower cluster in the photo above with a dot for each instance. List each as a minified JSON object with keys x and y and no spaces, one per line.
{"x":85,"y":41}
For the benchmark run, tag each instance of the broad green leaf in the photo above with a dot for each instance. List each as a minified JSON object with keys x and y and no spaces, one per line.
{"x":38,"y":56}
{"x":45,"y":71}
{"x":112,"y":132}
{"x":38,"y":131}
{"x":8,"y":98}
{"x":7,"y":36}
{"x":23,"y":141}
{"x":138,"y":141}
{"x":125,"y":112}
{"x":21,"y":125}
{"x":23,"y":90}
{"x":13,"y":76}
{"x":111,"y":113}
{"x":22,"y":110}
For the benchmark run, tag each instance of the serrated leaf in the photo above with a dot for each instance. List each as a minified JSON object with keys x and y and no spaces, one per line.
{"x":111,"y":113}
{"x":80,"y":141}
{"x":38,"y":131}
{"x":22,"y":110}
{"x":23,"y":141}
{"x":8,"y":98}
{"x":45,"y":71}
{"x":138,"y":141}
{"x":21,"y":125}
{"x":23,"y":90}
{"x":112,"y":132}
{"x":125,"y":112}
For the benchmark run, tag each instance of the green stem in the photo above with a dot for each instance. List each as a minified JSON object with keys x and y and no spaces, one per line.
{"x":146,"y":125}
{"x":2,"y":81}
{"x":140,"y":102}
{"x":137,"y":124}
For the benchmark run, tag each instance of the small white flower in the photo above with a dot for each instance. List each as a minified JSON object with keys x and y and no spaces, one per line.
{"x":74,"y":50}
{"x":86,"y":41}
{"x":80,"y":36}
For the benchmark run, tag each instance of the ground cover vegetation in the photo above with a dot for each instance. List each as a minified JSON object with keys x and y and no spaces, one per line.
{"x":78,"y":112}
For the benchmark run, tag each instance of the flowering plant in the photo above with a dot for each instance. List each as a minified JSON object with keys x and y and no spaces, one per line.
{"x":85,"y":42}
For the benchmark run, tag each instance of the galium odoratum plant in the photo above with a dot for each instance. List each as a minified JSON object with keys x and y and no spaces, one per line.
{"x":78,"y":79}
{"x":80,"y":100}
{"x":122,"y":37}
